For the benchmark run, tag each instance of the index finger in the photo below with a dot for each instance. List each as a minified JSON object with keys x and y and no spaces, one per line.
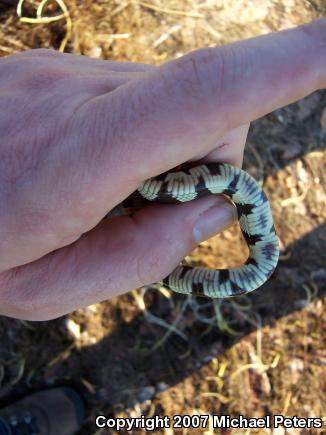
{"x":179,"y":109}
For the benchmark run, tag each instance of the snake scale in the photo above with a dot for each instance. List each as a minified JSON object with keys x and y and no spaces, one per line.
{"x":254,"y":215}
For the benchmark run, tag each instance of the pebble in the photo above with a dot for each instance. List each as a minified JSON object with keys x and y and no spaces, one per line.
{"x":146,"y":393}
{"x":296,"y":364}
{"x":95,"y":52}
{"x":72,"y":328}
{"x":162,"y":386}
{"x":92,"y":309}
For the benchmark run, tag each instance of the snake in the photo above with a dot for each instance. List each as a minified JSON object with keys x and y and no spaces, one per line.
{"x":254,"y":216}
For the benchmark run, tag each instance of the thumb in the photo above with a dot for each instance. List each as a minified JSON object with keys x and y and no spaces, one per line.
{"x":117,"y":256}
{"x":169,"y":232}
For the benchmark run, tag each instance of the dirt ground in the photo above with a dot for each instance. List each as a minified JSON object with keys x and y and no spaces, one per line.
{"x":151,"y":352}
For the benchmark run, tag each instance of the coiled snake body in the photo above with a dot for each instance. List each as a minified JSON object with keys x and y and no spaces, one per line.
{"x":255,"y":219}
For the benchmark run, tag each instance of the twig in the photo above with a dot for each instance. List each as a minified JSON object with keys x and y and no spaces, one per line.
{"x":46,"y":20}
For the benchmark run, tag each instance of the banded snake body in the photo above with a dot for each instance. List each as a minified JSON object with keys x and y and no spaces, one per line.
{"x":255,"y":219}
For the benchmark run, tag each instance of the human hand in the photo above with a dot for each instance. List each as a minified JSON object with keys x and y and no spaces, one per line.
{"x":79,"y":135}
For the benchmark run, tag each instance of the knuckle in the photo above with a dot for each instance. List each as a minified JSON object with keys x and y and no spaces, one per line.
{"x":36,"y":69}
{"x":197,"y":74}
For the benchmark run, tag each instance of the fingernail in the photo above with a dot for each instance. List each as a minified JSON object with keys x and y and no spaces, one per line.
{"x":213,"y":220}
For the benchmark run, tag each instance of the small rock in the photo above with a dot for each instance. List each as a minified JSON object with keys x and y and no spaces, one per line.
{"x":280,"y":116}
{"x":161,"y":386}
{"x":146,"y":393}
{"x":301,"y":172}
{"x":92,"y":309}
{"x":296,"y":364}
{"x":300,"y":208}
{"x":136,"y":412}
{"x":72,"y":328}
{"x":318,"y":275}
